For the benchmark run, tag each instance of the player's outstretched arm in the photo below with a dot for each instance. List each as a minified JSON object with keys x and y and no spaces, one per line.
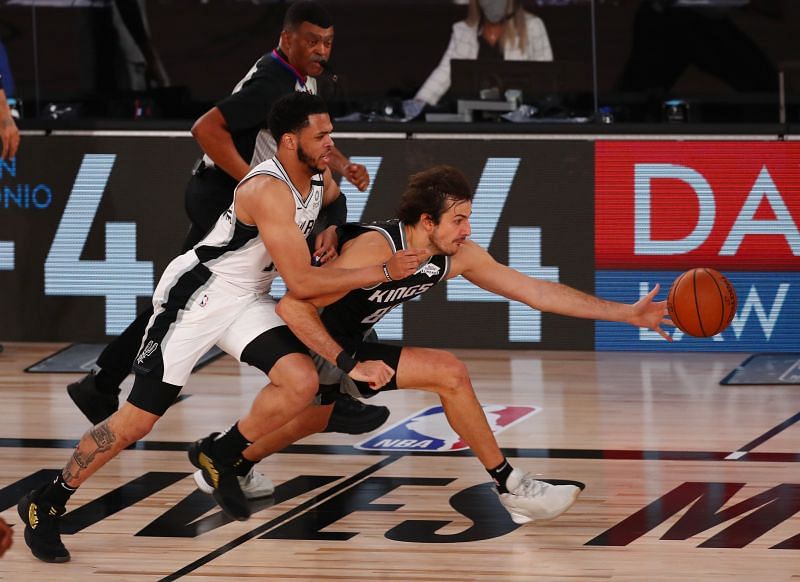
{"x":651,"y":314}
{"x":479,"y":267}
{"x":267,"y":203}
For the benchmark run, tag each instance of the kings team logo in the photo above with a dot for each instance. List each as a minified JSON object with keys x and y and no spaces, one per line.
{"x":429,"y":431}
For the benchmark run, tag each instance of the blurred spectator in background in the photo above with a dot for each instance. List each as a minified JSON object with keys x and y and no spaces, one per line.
{"x":119,"y":56}
{"x":6,"y":78}
{"x":499,"y":29}
{"x":671,"y":35}
{"x":135,"y":63}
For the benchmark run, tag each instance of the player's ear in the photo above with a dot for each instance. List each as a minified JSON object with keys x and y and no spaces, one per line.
{"x":286,"y":40}
{"x":290,"y":140}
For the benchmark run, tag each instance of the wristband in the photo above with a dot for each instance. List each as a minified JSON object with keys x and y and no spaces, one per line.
{"x":386,"y":273}
{"x":345,"y":362}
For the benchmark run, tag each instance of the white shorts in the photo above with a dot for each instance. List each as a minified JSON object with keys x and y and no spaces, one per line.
{"x":194,"y":310}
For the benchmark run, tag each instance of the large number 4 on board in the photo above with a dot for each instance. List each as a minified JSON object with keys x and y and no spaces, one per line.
{"x":120,"y":278}
{"x":524,"y":249}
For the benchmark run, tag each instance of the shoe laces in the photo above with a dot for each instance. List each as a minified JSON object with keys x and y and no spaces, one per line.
{"x":530,"y":487}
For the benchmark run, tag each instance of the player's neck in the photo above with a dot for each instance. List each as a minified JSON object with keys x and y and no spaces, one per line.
{"x":417,"y":238}
{"x":299,"y":173}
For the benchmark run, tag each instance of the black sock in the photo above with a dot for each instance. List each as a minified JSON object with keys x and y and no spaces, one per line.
{"x":500,"y":475}
{"x":244,"y":466}
{"x":57,"y":493}
{"x":228,"y":446}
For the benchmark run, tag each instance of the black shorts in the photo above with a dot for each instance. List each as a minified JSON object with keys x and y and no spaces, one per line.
{"x":332,"y":378}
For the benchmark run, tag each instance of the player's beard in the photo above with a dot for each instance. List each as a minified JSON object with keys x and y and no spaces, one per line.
{"x":439,"y":247}
{"x":307,"y":160}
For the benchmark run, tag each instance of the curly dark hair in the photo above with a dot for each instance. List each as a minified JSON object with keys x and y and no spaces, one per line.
{"x":432,"y":192}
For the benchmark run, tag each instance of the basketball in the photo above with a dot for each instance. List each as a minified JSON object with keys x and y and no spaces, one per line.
{"x":701,"y":302}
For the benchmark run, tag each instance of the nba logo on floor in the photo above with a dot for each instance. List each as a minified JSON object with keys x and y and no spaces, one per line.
{"x":429,"y":431}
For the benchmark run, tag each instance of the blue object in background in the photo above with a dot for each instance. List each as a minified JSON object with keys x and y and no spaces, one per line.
{"x":5,"y":71}
{"x":767,"y":317}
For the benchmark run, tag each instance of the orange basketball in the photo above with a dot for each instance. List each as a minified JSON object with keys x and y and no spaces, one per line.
{"x":701,"y":302}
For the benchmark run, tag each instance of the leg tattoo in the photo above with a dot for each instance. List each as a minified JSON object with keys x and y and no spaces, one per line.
{"x":102,"y":439}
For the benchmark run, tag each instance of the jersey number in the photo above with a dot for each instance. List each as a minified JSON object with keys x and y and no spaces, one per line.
{"x":376,"y":316}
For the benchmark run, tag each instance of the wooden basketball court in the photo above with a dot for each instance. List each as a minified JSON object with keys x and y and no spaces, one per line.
{"x":685,"y":480}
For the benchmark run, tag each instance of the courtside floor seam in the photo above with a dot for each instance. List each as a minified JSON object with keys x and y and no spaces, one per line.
{"x":586,"y":454}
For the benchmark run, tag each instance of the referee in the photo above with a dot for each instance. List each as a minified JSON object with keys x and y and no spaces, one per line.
{"x":234,"y":138}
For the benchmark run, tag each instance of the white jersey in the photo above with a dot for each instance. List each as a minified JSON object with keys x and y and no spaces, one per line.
{"x":235,"y":252}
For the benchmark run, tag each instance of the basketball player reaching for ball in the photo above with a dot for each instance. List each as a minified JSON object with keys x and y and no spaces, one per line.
{"x":217,"y":293}
{"x":434,"y":214}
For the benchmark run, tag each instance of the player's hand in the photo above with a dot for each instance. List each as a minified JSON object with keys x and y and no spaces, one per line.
{"x":325,"y":245}
{"x":9,"y":135}
{"x":6,"y":536}
{"x":406,"y":262}
{"x":651,"y":314}
{"x":374,"y":372}
{"x":357,"y":175}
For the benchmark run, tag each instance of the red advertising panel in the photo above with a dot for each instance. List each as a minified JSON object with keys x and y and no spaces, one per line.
{"x":677,"y":205}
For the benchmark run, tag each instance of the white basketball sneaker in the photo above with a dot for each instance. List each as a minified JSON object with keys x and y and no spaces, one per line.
{"x":529,"y":499}
{"x":254,"y":485}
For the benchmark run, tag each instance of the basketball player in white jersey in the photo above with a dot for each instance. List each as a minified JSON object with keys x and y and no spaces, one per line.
{"x":434,"y":214}
{"x":217,"y":293}
{"x":234,"y":137}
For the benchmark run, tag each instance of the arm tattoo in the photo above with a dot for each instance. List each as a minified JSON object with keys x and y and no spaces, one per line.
{"x":102,"y":440}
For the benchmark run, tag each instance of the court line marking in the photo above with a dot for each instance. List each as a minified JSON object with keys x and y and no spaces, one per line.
{"x":511,"y":452}
{"x":263,"y":528}
{"x":763,"y":438}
